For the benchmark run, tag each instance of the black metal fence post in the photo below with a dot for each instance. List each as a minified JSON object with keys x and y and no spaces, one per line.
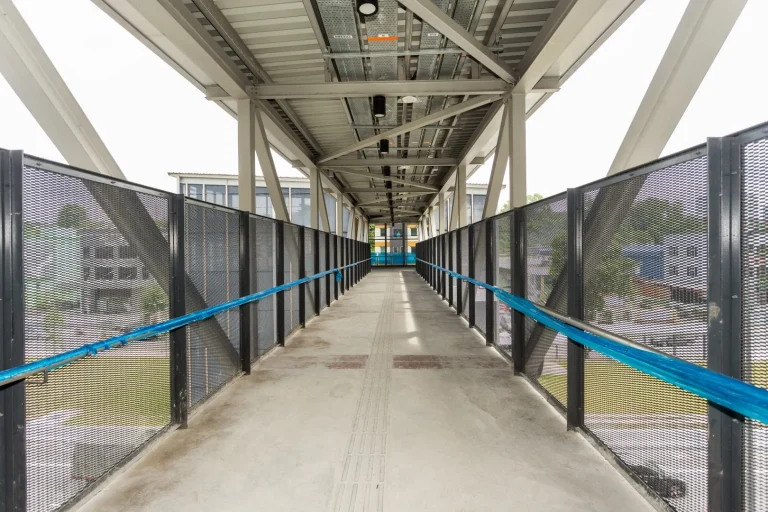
{"x":302,"y":274}
{"x":328,"y":239}
{"x":279,"y":279}
{"x":443,"y":277}
{"x":12,"y":396}
{"x":470,"y":286}
{"x":517,"y":282}
{"x":576,"y":352}
{"x":490,"y":278}
{"x":177,"y":301}
{"x":245,"y":289}
{"x":336,"y":259}
{"x":724,"y":332}
{"x":459,"y":282}
{"x":316,"y":262}
{"x":451,"y":236}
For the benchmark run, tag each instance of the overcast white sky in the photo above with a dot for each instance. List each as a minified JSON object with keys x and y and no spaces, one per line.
{"x":154,"y":122}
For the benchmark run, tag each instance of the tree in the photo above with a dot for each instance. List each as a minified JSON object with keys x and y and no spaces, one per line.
{"x":372,"y":237}
{"x":532,"y":198}
{"x":72,"y":216}
{"x":153,"y":299}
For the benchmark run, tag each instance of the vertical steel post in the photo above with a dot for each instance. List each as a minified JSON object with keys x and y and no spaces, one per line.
{"x":12,"y":396}
{"x":459,"y":282}
{"x":490,"y":278}
{"x":342,"y":262}
{"x":451,"y":236}
{"x":245,"y":289}
{"x":177,"y":302}
{"x":316,"y":257}
{"x":576,"y":352}
{"x":280,"y":279}
{"x":302,"y":274}
{"x":443,"y":277}
{"x":517,"y":275}
{"x":336,"y":264}
{"x":470,"y":286}
{"x":328,"y":238}
{"x":724,"y":332}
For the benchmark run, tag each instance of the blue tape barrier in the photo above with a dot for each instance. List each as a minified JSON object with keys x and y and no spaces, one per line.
{"x":738,"y":396}
{"x":54,"y":362}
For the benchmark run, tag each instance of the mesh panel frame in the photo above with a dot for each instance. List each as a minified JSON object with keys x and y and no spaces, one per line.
{"x":464,"y":234}
{"x":503,"y":265}
{"x":650,"y":232}
{"x":545,"y":241}
{"x":212,"y":266}
{"x":93,"y":414}
{"x":480,"y":263}
{"x":322,"y":249}
{"x":309,"y":269}
{"x":262,"y":242}
{"x":291,"y":271}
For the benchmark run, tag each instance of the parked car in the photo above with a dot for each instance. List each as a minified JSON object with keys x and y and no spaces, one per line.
{"x":664,"y":485}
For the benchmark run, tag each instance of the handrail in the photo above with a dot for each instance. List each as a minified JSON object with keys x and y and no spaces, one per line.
{"x":51,"y":363}
{"x":739,"y":396}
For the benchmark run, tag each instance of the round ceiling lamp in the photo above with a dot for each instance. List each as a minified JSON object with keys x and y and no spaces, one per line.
{"x":409,"y":99}
{"x":367,"y":7}
{"x":379,"y":106}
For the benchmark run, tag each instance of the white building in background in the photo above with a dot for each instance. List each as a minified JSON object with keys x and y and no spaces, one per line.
{"x":222,"y":189}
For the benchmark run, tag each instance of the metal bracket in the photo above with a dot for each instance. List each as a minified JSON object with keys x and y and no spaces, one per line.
{"x":31,"y":381}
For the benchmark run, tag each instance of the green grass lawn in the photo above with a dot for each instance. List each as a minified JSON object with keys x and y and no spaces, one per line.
{"x":109,"y":390}
{"x":611,"y":387}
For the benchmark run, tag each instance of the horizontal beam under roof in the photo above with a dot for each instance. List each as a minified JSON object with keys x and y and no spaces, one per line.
{"x":392,"y":162}
{"x":414,"y":190}
{"x":365,"y":89}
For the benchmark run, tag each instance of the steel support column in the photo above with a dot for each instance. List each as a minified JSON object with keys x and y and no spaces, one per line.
{"x":724,"y":354}
{"x":316,"y":262}
{"x":470,"y":286}
{"x":443,"y":243}
{"x":267,"y":165}
{"x":245,"y":289}
{"x":451,"y":236}
{"x":517,"y":269}
{"x":246,"y":155}
{"x":279,"y":279}
{"x":302,"y":274}
{"x":328,"y":242}
{"x":459,"y":282}
{"x":177,"y":301}
{"x":500,"y":159}
{"x":490,"y":278}
{"x":576,"y":352}
{"x":517,"y":151}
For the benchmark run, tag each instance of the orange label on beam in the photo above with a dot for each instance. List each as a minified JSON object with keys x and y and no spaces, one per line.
{"x":382,"y":37}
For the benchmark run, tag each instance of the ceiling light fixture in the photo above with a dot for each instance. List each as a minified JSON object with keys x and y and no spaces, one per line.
{"x":410,"y":99}
{"x":384,"y":146}
{"x":367,"y":7}
{"x":379,"y":106}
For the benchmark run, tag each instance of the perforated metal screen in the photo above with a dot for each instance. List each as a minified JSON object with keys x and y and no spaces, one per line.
{"x":464,"y":234}
{"x":545,"y":240}
{"x":262,"y":242}
{"x":645,"y":278}
{"x":309,"y":269}
{"x":212,"y":265}
{"x":503,"y":278}
{"x":323,"y":251}
{"x":754,"y":329}
{"x":480,"y":295}
{"x":96,"y":264}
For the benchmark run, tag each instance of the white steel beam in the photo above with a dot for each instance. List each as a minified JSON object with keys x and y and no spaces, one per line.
{"x":339,"y":214}
{"x":703,"y":29}
{"x":315,"y":191}
{"x":267,"y":166}
{"x":386,"y":191}
{"x":34,"y":79}
{"x":441,"y":228}
{"x":500,"y":159}
{"x":455,"y":110}
{"x":443,"y":23}
{"x":392,"y":162}
{"x":460,"y":196}
{"x":393,"y":179}
{"x":332,"y":90}
{"x":517,"y":151}
{"x":246,"y":154}
{"x":325,"y":223}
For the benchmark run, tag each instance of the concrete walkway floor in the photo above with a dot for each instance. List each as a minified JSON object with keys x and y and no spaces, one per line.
{"x":387,"y":401}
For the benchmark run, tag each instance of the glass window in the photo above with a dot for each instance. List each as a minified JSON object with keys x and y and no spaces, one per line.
{"x":103,"y":253}
{"x":330,"y":205}
{"x":692,"y":251}
{"x":397,"y":232}
{"x":345,"y":222}
{"x":103,"y":273}
{"x":673,"y":270}
{"x":181,"y":188}
{"x":125,"y":252}
{"x":233,"y":196}
{"x":126,"y":272}
{"x":263,"y":202}
{"x":300,"y":209}
{"x":86,"y":252}
{"x":215,"y":194}
{"x":86,"y":273}
{"x":478,"y":204}
{"x":673,"y":250}
{"x":194,"y":191}
{"x":692,"y":271}
{"x":383,"y":231}
{"x":414,"y":231}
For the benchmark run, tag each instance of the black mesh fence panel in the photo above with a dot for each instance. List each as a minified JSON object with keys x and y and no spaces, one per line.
{"x":754,"y":270}
{"x":545,"y":239}
{"x":480,"y":295}
{"x":333,"y":247}
{"x":645,"y":278}
{"x":262,"y":241}
{"x":309,"y":269}
{"x":464,"y":235}
{"x":291,"y":271}
{"x":96,"y":264}
{"x":323,"y":267}
{"x":502,"y":272}
{"x":212,"y":265}
{"x":454,"y":267}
